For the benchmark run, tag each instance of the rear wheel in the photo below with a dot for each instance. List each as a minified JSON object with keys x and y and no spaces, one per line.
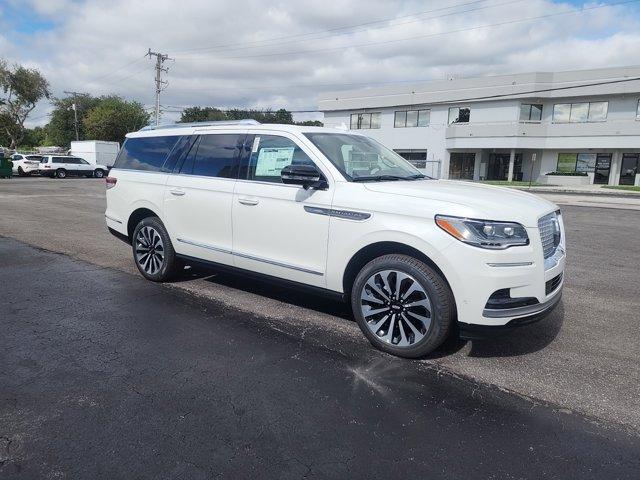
{"x":153,"y":251}
{"x":61,"y":173}
{"x":402,"y":305}
{"x":98,"y":173}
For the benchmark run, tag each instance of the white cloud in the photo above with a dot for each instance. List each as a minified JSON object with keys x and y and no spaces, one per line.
{"x":92,"y":41}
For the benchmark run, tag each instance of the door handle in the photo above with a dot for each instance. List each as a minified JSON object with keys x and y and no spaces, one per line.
{"x":177,"y":192}
{"x":248,"y":201}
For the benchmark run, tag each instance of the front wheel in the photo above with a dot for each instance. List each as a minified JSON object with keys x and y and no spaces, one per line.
{"x":153,"y":251}
{"x":61,"y":173}
{"x":98,"y":173}
{"x":402,"y":305}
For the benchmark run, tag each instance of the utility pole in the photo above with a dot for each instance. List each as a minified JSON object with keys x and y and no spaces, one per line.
{"x":74,"y":107}
{"x":160,"y":84}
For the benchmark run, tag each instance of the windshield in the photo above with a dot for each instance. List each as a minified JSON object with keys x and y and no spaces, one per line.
{"x":362,"y":159}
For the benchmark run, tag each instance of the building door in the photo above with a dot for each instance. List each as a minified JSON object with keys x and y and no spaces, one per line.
{"x":602,"y":169}
{"x":629,"y":168}
{"x":461,"y":166}
{"x":498,"y":166}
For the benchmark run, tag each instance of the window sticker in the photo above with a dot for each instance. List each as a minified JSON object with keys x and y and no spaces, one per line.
{"x":272,"y":160}
{"x":256,"y":144}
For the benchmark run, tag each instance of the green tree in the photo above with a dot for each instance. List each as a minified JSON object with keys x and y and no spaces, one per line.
{"x":61,"y":129}
{"x":204,"y":114}
{"x":35,"y":137}
{"x":113,"y":117}
{"x":23,"y":88}
{"x":311,"y":123}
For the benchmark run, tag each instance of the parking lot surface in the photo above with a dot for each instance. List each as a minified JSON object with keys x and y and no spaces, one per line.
{"x":106,"y":375}
{"x":583,"y":358}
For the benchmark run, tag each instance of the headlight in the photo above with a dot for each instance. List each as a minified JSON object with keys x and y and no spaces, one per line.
{"x":484,"y":233}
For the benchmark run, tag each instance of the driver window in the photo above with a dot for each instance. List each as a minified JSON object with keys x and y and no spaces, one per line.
{"x":270,"y":154}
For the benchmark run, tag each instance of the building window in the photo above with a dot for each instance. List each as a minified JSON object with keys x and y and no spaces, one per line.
{"x":638,"y":111}
{"x":459,"y":115}
{"x":417,"y":158}
{"x":580,"y":112}
{"x":412,"y":118}
{"x":361,"y":121}
{"x":576,"y":162}
{"x":530,"y":112}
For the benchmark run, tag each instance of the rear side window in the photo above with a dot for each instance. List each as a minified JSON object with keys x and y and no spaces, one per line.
{"x":59,"y":160}
{"x":145,"y":153}
{"x":270,"y":154}
{"x":214,"y":156}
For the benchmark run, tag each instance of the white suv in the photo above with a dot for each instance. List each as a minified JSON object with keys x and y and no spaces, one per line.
{"x":61,"y":166}
{"x":25,"y":164}
{"x":339,"y":213}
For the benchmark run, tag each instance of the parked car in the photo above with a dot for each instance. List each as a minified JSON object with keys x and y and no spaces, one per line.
{"x":340,"y":214}
{"x":24,"y":164}
{"x":62,"y":167}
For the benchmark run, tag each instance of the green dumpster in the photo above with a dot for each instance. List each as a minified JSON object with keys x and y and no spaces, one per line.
{"x":6,"y":166}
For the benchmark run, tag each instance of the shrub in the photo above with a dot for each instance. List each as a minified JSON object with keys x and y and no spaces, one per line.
{"x":568,"y":174}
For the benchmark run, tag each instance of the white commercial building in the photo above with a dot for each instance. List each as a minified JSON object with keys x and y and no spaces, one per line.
{"x":583,"y":124}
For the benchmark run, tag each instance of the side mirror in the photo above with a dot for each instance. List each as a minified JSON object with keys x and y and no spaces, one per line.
{"x":307,"y":176}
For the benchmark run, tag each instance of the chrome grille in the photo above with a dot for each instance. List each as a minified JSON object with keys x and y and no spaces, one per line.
{"x":549,"y":233}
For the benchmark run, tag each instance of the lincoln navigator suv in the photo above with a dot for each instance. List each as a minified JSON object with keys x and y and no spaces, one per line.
{"x":338,"y":213}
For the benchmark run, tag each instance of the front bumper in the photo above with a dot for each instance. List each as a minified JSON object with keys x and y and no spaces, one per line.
{"x":521,"y":273}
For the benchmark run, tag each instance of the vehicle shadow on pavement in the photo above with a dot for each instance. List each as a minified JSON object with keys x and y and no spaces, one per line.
{"x":523,"y":340}
{"x":299,"y":298}
{"x":264,"y":288}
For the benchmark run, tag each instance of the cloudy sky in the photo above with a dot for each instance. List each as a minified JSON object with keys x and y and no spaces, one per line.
{"x":262,"y":54}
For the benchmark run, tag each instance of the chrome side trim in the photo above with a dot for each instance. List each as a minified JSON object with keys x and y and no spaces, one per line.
{"x":513,"y":264}
{"x":332,"y":212}
{"x":526,"y":310}
{"x":113,"y":219}
{"x":204,"y":245}
{"x":277,"y":264}
{"x":249,"y":257}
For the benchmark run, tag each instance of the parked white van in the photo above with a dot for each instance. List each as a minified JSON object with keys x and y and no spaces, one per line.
{"x":341,"y":214}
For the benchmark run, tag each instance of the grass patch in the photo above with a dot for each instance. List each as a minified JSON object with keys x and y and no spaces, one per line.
{"x":629,"y":188}
{"x":505,"y":183}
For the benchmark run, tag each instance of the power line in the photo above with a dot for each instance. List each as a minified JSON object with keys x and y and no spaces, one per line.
{"x":436,"y":34}
{"x":458,"y":100}
{"x":266,"y":42}
{"x":114,"y":70}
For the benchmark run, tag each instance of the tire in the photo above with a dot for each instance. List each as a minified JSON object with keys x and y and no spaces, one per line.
{"x":98,"y":173}
{"x":21,"y":172}
{"x":61,"y":173}
{"x":421,"y":321}
{"x":162,"y":265}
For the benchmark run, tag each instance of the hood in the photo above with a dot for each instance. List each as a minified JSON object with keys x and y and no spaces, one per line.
{"x":473,"y":200}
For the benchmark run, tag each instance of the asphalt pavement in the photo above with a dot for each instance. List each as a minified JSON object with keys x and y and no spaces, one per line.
{"x":583,"y":358}
{"x":106,"y":375}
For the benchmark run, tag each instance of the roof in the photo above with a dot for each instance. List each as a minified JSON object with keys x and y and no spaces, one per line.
{"x":574,"y":83}
{"x":208,"y":127}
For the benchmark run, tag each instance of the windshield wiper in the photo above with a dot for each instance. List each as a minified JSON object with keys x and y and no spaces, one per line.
{"x":383,"y":178}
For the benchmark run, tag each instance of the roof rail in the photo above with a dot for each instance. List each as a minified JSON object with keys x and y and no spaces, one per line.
{"x":245,"y":121}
